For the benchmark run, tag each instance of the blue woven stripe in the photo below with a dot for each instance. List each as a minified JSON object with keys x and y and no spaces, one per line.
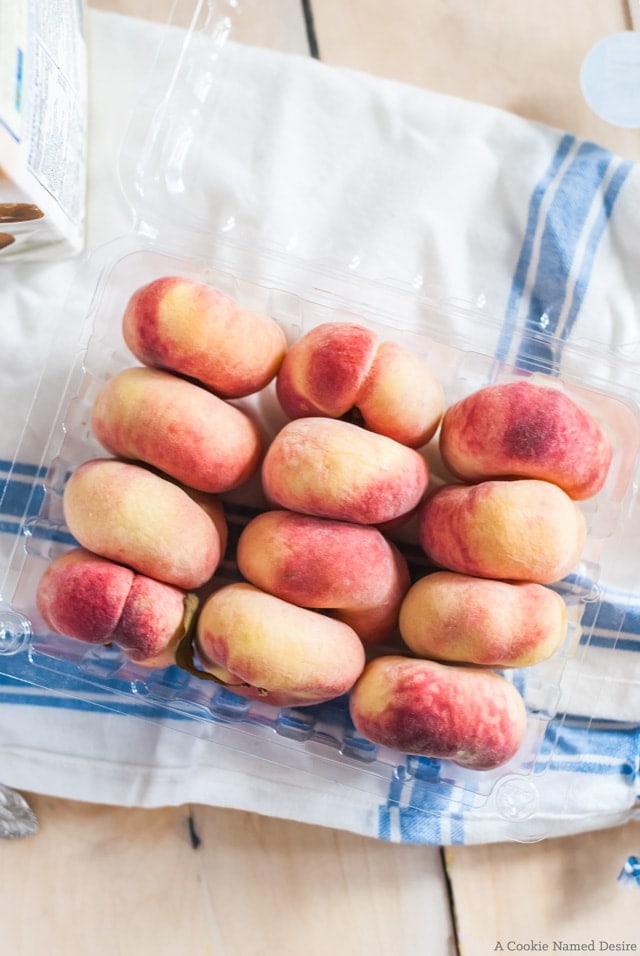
{"x":526,"y":251}
{"x":580,"y":185}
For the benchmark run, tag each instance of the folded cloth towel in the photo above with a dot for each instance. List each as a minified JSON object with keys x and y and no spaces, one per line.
{"x":409,"y":189}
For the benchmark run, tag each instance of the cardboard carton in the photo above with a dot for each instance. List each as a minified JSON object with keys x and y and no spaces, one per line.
{"x":43,"y":128}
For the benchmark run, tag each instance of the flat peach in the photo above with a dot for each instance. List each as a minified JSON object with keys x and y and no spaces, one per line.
{"x":350,"y":570}
{"x":334,"y":469}
{"x":83,"y":595}
{"x":198,"y":331}
{"x":135,"y":517}
{"x":97,"y":601}
{"x":343,"y":370}
{"x":401,"y":397}
{"x":181,"y":429}
{"x":522,"y":530}
{"x":264,"y":648}
{"x":323,"y":372}
{"x":527,"y":430}
{"x":469,"y":715}
{"x":454,"y":617}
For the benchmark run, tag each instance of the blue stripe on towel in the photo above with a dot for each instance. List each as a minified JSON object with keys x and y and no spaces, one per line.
{"x":560,"y":250}
{"x":420,"y":825}
{"x":61,"y":701}
{"x":608,"y":200}
{"x":600,"y":750}
{"x":526,"y":252}
{"x":22,"y":468}
{"x":616,"y":642}
{"x":588,"y":749}
{"x":613,"y":621}
{"x":563,"y":228}
{"x":21,"y":498}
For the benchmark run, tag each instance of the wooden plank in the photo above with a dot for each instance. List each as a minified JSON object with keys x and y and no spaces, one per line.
{"x":563,"y":890}
{"x":633,"y":8}
{"x":522,"y":57}
{"x":277,"y":24}
{"x":103,"y":880}
{"x":349,"y":894}
{"x":115,"y":881}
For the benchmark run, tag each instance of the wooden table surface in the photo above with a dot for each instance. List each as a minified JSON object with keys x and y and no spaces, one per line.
{"x":101,"y":880}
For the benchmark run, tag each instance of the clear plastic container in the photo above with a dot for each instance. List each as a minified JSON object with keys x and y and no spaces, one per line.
{"x":160,"y":170}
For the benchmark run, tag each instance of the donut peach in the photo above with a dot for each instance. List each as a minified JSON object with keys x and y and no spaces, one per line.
{"x":135,"y":517}
{"x":350,"y":570}
{"x":264,"y":648}
{"x":527,"y":430}
{"x":524,"y":530}
{"x":454,"y":617}
{"x":181,"y":429}
{"x":335,"y":469}
{"x":91,"y":599}
{"x":198,"y":331}
{"x":342,"y":369}
{"x":469,"y":715}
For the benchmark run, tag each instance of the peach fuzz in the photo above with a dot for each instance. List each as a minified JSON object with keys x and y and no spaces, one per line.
{"x":349,"y":570}
{"x":135,"y":517}
{"x":334,"y":469}
{"x":471,"y":716}
{"x":342,"y":369}
{"x":94,"y":600}
{"x":522,"y":530}
{"x":264,"y":648}
{"x":179,"y":428}
{"x":198,"y":331}
{"x":454,"y":617}
{"x":527,"y":430}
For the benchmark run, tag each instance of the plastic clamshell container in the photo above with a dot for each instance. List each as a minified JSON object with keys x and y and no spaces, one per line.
{"x":160,"y":168}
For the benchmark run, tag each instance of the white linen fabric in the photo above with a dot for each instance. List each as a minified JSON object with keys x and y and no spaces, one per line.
{"x":405,"y":187}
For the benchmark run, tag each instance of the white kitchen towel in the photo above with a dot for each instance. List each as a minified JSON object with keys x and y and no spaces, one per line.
{"x":406,"y":188}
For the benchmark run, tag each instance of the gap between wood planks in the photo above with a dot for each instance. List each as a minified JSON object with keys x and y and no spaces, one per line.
{"x":312,"y":39}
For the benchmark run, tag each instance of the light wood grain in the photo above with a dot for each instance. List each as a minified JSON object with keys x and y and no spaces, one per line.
{"x":277,"y":24}
{"x":109,"y":881}
{"x":524,"y":57}
{"x":559,"y":890}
